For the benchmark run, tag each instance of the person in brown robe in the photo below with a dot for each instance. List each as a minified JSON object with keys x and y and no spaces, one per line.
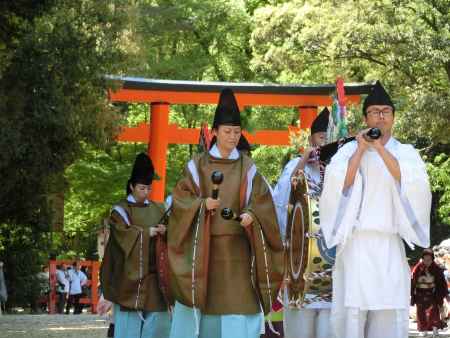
{"x":224,"y":274}
{"x":128,"y":273}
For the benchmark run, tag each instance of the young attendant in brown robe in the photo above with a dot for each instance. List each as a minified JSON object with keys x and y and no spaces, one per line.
{"x":128,"y":272}
{"x":428,"y":290}
{"x":224,"y":273}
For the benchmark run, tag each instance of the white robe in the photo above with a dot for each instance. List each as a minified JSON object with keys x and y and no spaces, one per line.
{"x":368,"y":223}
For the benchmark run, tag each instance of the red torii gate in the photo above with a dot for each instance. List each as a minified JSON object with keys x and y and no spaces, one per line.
{"x":160,"y":94}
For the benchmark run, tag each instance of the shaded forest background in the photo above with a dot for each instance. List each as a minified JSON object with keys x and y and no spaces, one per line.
{"x":57,"y":135}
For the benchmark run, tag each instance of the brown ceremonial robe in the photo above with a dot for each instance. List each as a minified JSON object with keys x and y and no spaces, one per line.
{"x":223,"y":268}
{"x":120,"y":270}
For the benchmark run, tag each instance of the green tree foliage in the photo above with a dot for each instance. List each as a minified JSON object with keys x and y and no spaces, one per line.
{"x":23,"y":250}
{"x":194,"y":39}
{"x":53,"y":56}
{"x":406,"y":44}
{"x":53,"y":95}
{"x":439,"y":171}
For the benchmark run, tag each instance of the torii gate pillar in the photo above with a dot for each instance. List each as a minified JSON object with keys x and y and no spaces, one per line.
{"x":157,"y":146}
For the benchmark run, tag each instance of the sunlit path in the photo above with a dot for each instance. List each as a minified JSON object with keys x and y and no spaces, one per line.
{"x":86,"y":326}
{"x":33,"y":326}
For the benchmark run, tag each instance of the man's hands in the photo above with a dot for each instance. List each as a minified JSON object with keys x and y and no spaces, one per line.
{"x":246,"y":219}
{"x":212,"y":204}
{"x":307,"y":153}
{"x":159,"y":229}
{"x":305,"y":158}
{"x":377,"y":145}
{"x":103,"y":306}
{"x":363,"y":144}
{"x":389,"y":160}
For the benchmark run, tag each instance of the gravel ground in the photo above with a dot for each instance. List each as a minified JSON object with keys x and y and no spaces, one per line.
{"x":71,"y":326}
{"x":67,"y":326}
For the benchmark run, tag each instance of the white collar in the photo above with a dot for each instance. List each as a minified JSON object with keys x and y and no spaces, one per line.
{"x":131,"y":199}
{"x":214,"y":151}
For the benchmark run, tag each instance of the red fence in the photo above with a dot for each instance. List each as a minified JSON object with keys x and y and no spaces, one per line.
{"x":93,"y":282}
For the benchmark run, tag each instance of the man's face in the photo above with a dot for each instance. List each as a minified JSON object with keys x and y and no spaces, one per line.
{"x":140,"y":192}
{"x":227,"y":136}
{"x":318,"y":139}
{"x":380,"y":116}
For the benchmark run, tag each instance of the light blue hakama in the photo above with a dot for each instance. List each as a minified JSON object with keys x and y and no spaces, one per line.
{"x":128,"y":324}
{"x":214,"y":326}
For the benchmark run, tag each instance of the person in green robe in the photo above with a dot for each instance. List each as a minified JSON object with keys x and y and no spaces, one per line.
{"x":128,"y":273}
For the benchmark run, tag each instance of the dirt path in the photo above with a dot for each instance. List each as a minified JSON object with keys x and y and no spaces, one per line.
{"x":67,"y":326}
{"x":71,"y":326}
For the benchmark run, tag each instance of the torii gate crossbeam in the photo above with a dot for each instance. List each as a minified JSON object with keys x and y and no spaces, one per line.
{"x":160,"y":94}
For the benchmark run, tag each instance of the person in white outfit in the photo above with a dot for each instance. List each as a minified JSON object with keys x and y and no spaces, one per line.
{"x":63,"y":284}
{"x":376,"y":193}
{"x":313,"y":319}
{"x":77,"y":280}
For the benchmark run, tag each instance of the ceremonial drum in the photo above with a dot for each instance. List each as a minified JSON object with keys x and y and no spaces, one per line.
{"x":308,"y":261}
